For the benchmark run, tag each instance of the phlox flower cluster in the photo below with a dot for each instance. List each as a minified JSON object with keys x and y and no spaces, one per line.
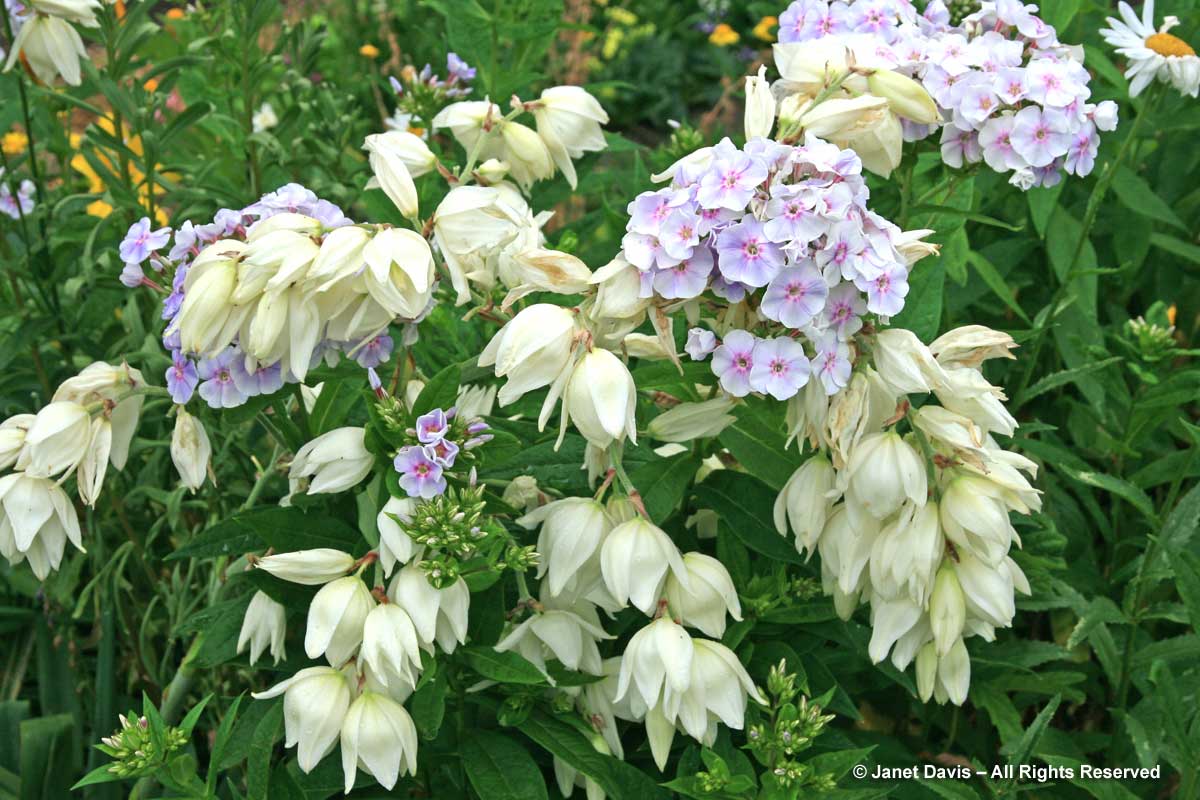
{"x":88,"y":425}
{"x":916,"y":524}
{"x":786,"y":228}
{"x":1011,"y":95}
{"x":260,"y":295}
{"x":440,"y":438}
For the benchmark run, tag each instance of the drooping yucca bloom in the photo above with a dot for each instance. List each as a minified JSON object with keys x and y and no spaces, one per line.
{"x":50,"y":44}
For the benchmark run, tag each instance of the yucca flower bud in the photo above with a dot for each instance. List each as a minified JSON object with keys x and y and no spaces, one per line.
{"x":569,"y":120}
{"x":378,"y":735}
{"x":572,"y":531}
{"x":905,"y":96}
{"x":601,"y":399}
{"x":395,"y":546}
{"x":634,"y":561}
{"x":711,"y":595}
{"x":439,"y":615}
{"x":688,"y":421}
{"x":390,"y":648}
{"x":335,"y":619}
{"x":492,"y":171}
{"x":531,"y":350}
{"x":12,"y":438}
{"x":836,"y":116}
{"x":759,"y":116}
{"x":335,"y":461}
{"x":57,"y":440}
{"x":954,"y":674}
{"x":207,"y":302}
{"x":190,"y":449}
{"x":89,"y":477}
{"x":526,"y":154}
{"x":315,"y":702}
{"x":265,"y":624}
{"x":970,"y":346}
{"x":806,"y":502}
{"x":885,"y":471}
{"x":308,"y":567}
{"x":37,"y":518}
{"x":400,"y":271}
{"x":927,"y":661}
{"x":396,"y":158}
{"x":905,"y":363}
{"x":947,"y":610}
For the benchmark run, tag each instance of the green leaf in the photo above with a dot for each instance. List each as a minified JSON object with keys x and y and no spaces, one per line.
{"x":506,"y":667}
{"x":1062,"y":377}
{"x":429,"y":705}
{"x":744,"y":505}
{"x":1187,"y":573}
{"x":258,"y":761}
{"x":974,"y":216}
{"x":995,"y":281}
{"x":49,"y":756}
{"x":440,"y":391}
{"x":1101,"y":611}
{"x":922,"y":312}
{"x":1023,"y":749}
{"x":1185,"y":250}
{"x":663,"y":483}
{"x":1182,"y":522}
{"x":1136,"y":195}
{"x":1113,"y":485}
{"x":620,"y":781}
{"x":500,"y":769}
{"x":756,"y":441}
{"x":220,"y":743}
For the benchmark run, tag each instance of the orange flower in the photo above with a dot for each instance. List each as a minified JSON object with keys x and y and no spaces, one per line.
{"x":723,"y":35}
{"x":150,"y":85}
{"x":369,"y":51}
{"x":175,"y":13}
{"x":763,"y":29}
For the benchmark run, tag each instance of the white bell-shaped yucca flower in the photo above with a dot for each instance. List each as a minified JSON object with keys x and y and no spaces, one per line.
{"x":393,"y":157}
{"x":718,"y":690}
{"x":109,"y":384}
{"x":890,"y":620}
{"x":635,"y":559}
{"x":334,"y":461}
{"x":390,"y":648}
{"x":884,"y":472}
{"x":379,"y":737}
{"x":339,"y":258}
{"x":190,"y":449}
{"x":688,"y":421}
{"x":467,"y":119}
{"x":970,"y":346}
{"x":708,"y":597}
{"x":395,"y":546}
{"x":905,"y":363}
{"x":656,"y":668}
{"x":336,"y":617}
{"x":906,"y":552}
{"x":806,"y":502}
{"x":532,"y":350}
{"x":315,"y":702}
{"x":568,"y":121}
{"x":51,"y":47}
{"x":439,"y":615}
{"x":561,"y":634}
{"x":572,"y":531}
{"x":400,"y":272}
{"x":207,"y":302}
{"x":309,"y":567}
{"x":975,"y":518}
{"x":12,"y":438}
{"x":57,"y":440}
{"x":989,"y":592}
{"x":37,"y":519}
{"x":968,"y":393}
{"x":759,"y":116}
{"x":601,"y":399}
{"x":265,"y":625}
{"x":89,"y":477}
{"x":947,"y":610}
{"x":470,"y":226}
{"x":527,"y":156}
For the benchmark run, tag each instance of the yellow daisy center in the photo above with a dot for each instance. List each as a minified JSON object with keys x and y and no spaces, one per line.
{"x":1167,"y":45}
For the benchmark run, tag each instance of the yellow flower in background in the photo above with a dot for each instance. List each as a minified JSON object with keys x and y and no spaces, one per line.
{"x":96,"y":185}
{"x":763,"y":29}
{"x":723,"y":36}
{"x":14,"y":142}
{"x":369,"y":51}
{"x":622,"y":16}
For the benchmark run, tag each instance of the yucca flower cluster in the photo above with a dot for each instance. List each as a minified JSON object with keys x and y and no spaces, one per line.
{"x":1010,"y":94}
{"x":88,"y":425}
{"x":908,"y":505}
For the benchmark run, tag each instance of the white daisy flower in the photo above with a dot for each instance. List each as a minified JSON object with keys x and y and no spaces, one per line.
{"x":1153,"y":53}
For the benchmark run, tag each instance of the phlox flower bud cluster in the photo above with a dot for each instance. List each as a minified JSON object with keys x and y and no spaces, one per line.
{"x":916,"y":524}
{"x":88,"y":425}
{"x":1010,"y":94}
